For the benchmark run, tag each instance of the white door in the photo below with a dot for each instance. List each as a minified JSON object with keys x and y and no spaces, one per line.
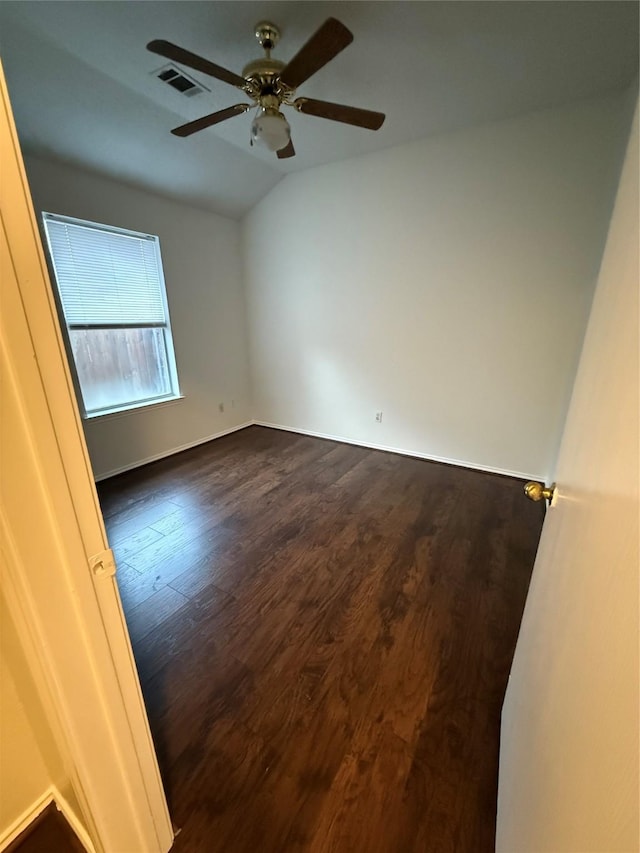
{"x":569,"y":753}
{"x":56,"y":575}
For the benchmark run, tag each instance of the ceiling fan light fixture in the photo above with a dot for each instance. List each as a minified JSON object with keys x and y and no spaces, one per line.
{"x":270,"y":84}
{"x":271,"y":129}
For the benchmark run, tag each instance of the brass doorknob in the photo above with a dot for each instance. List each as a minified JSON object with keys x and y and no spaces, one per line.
{"x":538,"y":492}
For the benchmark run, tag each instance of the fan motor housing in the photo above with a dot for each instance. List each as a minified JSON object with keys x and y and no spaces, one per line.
{"x":262,"y":71}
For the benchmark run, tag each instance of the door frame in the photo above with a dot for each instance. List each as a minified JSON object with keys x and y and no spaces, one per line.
{"x":59,"y":574}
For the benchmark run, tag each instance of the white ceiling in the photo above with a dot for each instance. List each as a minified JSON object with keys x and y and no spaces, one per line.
{"x":82,"y":88}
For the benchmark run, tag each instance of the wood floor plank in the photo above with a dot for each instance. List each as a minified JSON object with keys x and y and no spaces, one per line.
{"x":150,"y":614}
{"x":184,"y":636}
{"x":324,"y":635}
{"x":134,"y":543}
{"x":49,"y":832}
{"x":135,"y":518}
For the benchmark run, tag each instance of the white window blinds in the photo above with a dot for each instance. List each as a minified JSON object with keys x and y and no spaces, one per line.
{"x":105,"y":278}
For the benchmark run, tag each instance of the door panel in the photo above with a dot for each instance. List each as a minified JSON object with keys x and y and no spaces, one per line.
{"x":569,"y":752}
{"x":56,"y":581}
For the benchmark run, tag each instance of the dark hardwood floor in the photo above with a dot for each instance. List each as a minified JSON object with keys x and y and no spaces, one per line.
{"x":323,"y":635}
{"x":49,"y":833}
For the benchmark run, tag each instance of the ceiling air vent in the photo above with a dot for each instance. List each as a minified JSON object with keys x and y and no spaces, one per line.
{"x":174,"y":76}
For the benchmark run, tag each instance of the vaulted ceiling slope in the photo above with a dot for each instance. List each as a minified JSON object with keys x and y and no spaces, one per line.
{"x":84,"y":91}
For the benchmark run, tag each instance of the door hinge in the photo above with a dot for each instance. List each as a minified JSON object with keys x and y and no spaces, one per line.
{"x":103,"y":564}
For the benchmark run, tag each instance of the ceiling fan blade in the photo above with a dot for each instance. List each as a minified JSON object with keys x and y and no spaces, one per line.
{"x":287,"y":151}
{"x":324,"y":44}
{"x":340,"y":112}
{"x":185,"y":57}
{"x":207,"y":121}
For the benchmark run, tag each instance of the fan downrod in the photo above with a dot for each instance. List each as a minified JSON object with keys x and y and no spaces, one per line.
{"x":261,"y":73}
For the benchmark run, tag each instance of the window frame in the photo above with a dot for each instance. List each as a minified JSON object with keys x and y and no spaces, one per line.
{"x":67,"y":327}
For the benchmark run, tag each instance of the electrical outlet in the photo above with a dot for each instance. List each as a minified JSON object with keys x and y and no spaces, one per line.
{"x":379,"y":417}
{"x":221,"y":407}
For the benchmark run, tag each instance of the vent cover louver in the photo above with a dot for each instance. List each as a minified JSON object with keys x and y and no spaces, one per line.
{"x":181,"y":82}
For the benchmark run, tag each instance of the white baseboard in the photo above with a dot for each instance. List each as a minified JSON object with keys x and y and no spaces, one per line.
{"x":170,"y":452}
{"x":51,"y":795}
{"x":72,"y":819}
{"x":22,"y":822}
{"x":523,"y":475}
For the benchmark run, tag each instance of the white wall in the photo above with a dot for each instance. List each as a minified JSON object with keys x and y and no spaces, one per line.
{"x":30,"y":759}
{"x":445,"y":283}
{"x":23,"y":774}
{"x":201,"y":258}
{"x":25,"y":737}
{"x":569,"y":771}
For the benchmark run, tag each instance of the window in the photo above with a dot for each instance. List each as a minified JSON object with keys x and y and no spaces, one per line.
{"x":113,"y":299}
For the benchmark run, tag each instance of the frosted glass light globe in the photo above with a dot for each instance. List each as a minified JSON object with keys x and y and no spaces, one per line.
{"x":271,"y":129}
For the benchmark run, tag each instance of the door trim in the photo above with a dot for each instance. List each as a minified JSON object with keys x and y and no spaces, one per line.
{"x":70,"y":618}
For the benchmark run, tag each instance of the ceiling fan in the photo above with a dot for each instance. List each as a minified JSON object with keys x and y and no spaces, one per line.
{"x":271,"y":84}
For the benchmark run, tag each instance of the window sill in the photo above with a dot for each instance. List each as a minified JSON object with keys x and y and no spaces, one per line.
{"x":131,"y":410}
